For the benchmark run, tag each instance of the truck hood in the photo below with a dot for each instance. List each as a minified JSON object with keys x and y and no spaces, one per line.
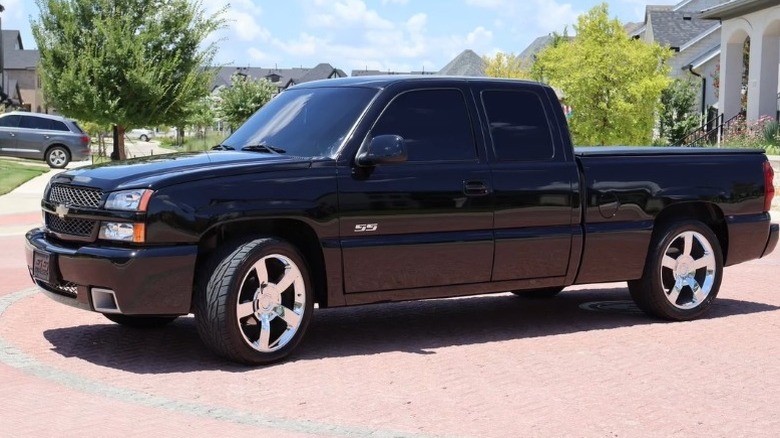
{"x":162,"y":170}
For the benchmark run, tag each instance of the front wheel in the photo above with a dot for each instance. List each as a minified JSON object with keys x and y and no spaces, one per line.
{"x":254,"y":303}
{"x":682,"y":274}
{"x":57,"y":157}
{"x":144,"y":137}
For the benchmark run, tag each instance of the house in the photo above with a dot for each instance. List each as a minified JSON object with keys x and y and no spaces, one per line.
{"x":759,"y":21}
{"x":20,"y":73}
{"x":367,"y":72}
{"x":467,"y":63}
{"x":694,"y":40}
{"x":282,"y":77}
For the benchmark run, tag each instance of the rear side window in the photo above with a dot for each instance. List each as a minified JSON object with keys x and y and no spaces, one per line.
{"x":10,"y":121}
{"x":34,"y":123}
{"x":56,"y":125}
{"x":518,"y":125}
{"x":434,"y":124}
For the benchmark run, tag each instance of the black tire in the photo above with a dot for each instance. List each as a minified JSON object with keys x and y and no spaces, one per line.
{"x":143,"y":322}
{"x":684,"y":257}
{"x":57,"y":157}
{"x":547,"y":292}
{"x":144,"y":137}
{"x":241,"y":312}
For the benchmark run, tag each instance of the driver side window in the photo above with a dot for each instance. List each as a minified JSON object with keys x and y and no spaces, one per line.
{"x":434,"y":124}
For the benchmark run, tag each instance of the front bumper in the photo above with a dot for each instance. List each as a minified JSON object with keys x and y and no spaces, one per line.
{"x":145,"y":281}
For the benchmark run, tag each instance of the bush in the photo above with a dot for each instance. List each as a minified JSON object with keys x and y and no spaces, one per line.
{"x":772,"y":133}
{"x":762,"y":134}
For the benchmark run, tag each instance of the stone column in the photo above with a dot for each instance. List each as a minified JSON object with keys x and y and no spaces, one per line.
{"x":730,"y":79}
{"x":762,"y":84}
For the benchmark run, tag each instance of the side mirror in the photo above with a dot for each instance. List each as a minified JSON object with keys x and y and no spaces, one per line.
{"x":382,"y":149}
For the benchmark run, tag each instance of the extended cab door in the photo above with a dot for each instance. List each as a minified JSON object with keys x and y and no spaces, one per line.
{"x":426,"y":221}
{"x":535,"y":180}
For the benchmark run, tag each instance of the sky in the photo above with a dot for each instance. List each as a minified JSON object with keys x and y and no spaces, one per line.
{"x":385,"y":35}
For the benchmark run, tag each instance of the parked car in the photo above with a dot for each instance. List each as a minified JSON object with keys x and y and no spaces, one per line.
{"x":416,"y":188}
{"x":54,"y":139}
{"x":142,"y":134}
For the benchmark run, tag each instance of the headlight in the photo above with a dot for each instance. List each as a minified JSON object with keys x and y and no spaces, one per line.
{"x":123,"y":231}
{"x":129,"y":200}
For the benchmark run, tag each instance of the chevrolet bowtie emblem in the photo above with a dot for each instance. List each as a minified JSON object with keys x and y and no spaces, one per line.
{"x":61,"y":210}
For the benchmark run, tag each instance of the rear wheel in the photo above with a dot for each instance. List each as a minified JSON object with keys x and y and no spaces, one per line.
{"x":682,"y":274}
{"x":144,"y":137}
{"x":254,"y":303}
{"x":57,"y":157}
{"x":547,"y":292}
{"x":140,"y":321}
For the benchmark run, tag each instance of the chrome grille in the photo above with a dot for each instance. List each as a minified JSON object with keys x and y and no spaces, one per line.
{"x":67,"y":288}
{"x":76,"y":196}
{"x":73,"y":227}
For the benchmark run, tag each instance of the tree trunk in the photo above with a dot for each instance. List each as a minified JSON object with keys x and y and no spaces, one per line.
{"x":119,"y":144}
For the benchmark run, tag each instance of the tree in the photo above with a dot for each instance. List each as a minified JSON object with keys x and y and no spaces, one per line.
{"x":127,"y":63}
{"x":504,"y":66}
{"x":243,"y":97}
{"x":613,"y":82}
{"x":678,"y":115}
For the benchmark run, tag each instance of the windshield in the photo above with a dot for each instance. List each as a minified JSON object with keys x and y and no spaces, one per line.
{"x":306,"y":122}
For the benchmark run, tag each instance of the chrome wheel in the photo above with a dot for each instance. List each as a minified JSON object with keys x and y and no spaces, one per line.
{"x":254,"y":300}
{"x":682,"y":273}
{"x":688,"y":270}
{"x":271,"y":303}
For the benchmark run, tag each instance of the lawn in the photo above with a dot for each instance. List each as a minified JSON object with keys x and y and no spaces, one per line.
{"x":14,"y":173}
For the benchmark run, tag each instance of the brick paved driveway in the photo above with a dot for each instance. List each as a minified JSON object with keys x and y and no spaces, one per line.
{"x":489,"y":366}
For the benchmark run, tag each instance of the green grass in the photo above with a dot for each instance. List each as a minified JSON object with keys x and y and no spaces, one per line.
{"x":193,"y":144}
{"x":14,"y":173}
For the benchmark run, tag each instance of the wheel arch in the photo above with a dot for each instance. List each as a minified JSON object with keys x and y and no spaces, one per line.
{"x":706,"y":212}
{"x":296,"y":232}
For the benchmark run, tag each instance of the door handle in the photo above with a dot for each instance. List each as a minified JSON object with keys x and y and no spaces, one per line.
{"x":475,"y":188}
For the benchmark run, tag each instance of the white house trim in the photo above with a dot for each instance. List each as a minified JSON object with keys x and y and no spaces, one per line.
{"x":701,"y":36}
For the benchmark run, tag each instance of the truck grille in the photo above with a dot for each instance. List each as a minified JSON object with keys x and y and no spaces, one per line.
{"x":75,"y":196}
{"x":73,"y":227}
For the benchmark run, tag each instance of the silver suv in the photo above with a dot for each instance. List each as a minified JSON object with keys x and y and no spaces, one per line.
{"x":54,"y":139}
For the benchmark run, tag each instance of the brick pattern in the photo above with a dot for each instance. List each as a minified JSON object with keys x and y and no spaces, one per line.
{"x":487,"y":366}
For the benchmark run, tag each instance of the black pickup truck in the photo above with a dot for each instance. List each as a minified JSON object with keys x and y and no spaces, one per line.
{"x":375,"y":189}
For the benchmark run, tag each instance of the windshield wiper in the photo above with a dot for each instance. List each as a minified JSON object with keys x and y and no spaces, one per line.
{"x":260,"y":147}
{"x":223,"y":147}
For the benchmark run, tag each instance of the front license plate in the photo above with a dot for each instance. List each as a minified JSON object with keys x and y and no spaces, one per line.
{"x":43,"y":266}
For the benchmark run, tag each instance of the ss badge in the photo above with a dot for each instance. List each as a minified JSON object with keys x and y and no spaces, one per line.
{"x":365,"y":228}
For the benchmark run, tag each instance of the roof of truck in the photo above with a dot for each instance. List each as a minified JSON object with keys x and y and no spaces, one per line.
{"x":386,"y":80}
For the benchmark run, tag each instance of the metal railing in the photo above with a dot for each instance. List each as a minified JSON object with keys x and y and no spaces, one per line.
{"x":712,"y":131}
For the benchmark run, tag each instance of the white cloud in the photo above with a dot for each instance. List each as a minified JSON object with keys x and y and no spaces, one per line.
{"x":553,"y":16}
{"x":259,"y":56}
{"x":491,"y":4}
{"x":399,"y":2}
{"x":246,"y":27}
{"x":347,"y":13}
